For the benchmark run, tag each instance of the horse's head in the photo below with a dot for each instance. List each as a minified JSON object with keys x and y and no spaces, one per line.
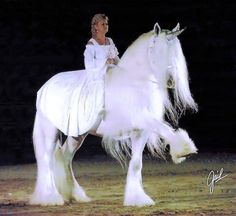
{"x":161,"y":43}
{"x":167,"y":62}
{"x":157,"y":56}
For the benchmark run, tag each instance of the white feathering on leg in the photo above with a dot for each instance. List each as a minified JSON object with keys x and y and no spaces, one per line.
{"x":182,"y":147}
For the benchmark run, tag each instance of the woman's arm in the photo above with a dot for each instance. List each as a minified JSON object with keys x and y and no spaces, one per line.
{"x":89,"y":56}
{"x":114,"y":54}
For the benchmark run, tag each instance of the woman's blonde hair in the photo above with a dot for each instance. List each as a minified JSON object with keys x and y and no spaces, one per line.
{"x":96,"y":18}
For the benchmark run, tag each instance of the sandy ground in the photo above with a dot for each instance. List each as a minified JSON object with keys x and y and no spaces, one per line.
{"x":177,"y":189}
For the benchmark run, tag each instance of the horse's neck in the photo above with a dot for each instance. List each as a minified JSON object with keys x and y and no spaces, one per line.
{"x":135,"y":59}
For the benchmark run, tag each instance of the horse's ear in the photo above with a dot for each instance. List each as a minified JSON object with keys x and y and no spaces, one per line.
{"x":157,"y":28}
{"x":176,"y":28}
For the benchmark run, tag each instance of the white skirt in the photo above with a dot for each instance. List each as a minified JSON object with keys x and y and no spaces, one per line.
{"x":72,"y":101}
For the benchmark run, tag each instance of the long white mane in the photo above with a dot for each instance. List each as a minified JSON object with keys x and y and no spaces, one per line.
{"x":163,"y":57}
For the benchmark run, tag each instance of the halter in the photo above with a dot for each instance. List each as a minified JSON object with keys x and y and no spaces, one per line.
{"x":150,"y":50}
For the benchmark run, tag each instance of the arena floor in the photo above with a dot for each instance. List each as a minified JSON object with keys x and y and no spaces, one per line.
{"x":177,"y":189}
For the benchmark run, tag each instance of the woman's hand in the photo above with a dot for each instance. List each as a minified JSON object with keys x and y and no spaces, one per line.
{"x":110,"y":61}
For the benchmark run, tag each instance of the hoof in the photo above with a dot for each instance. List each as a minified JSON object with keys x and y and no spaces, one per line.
{"x":79,"y":195}
{"x":178,"y":160}
{"x":82,"y":199}
{"x":138,"y":200}
{"x":49,"y":199}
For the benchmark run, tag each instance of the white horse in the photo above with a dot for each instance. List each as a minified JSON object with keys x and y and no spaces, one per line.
{"x":136,"y":99}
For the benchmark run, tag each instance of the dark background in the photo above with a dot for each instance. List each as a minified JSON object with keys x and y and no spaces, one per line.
{"x":41,"y":38}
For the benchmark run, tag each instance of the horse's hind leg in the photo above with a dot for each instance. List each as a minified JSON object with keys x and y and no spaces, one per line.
{"x":134,"y":192}
{"x":63,"y":172}
{"x":44,"y":139}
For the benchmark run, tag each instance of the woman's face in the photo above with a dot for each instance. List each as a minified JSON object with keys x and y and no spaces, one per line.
{"x":102,"y":26}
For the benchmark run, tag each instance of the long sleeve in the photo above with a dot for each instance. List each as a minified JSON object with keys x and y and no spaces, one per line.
{"x":89,"y":57}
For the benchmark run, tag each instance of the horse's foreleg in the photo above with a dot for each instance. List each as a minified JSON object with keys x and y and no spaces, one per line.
{"x":63,"y":172}
{"x":44,"y":139}
{"x":180,"y":143}
{"x":134,"y":192}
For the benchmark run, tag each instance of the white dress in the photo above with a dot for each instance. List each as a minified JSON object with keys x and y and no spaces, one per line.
{"x":73,"y":100}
